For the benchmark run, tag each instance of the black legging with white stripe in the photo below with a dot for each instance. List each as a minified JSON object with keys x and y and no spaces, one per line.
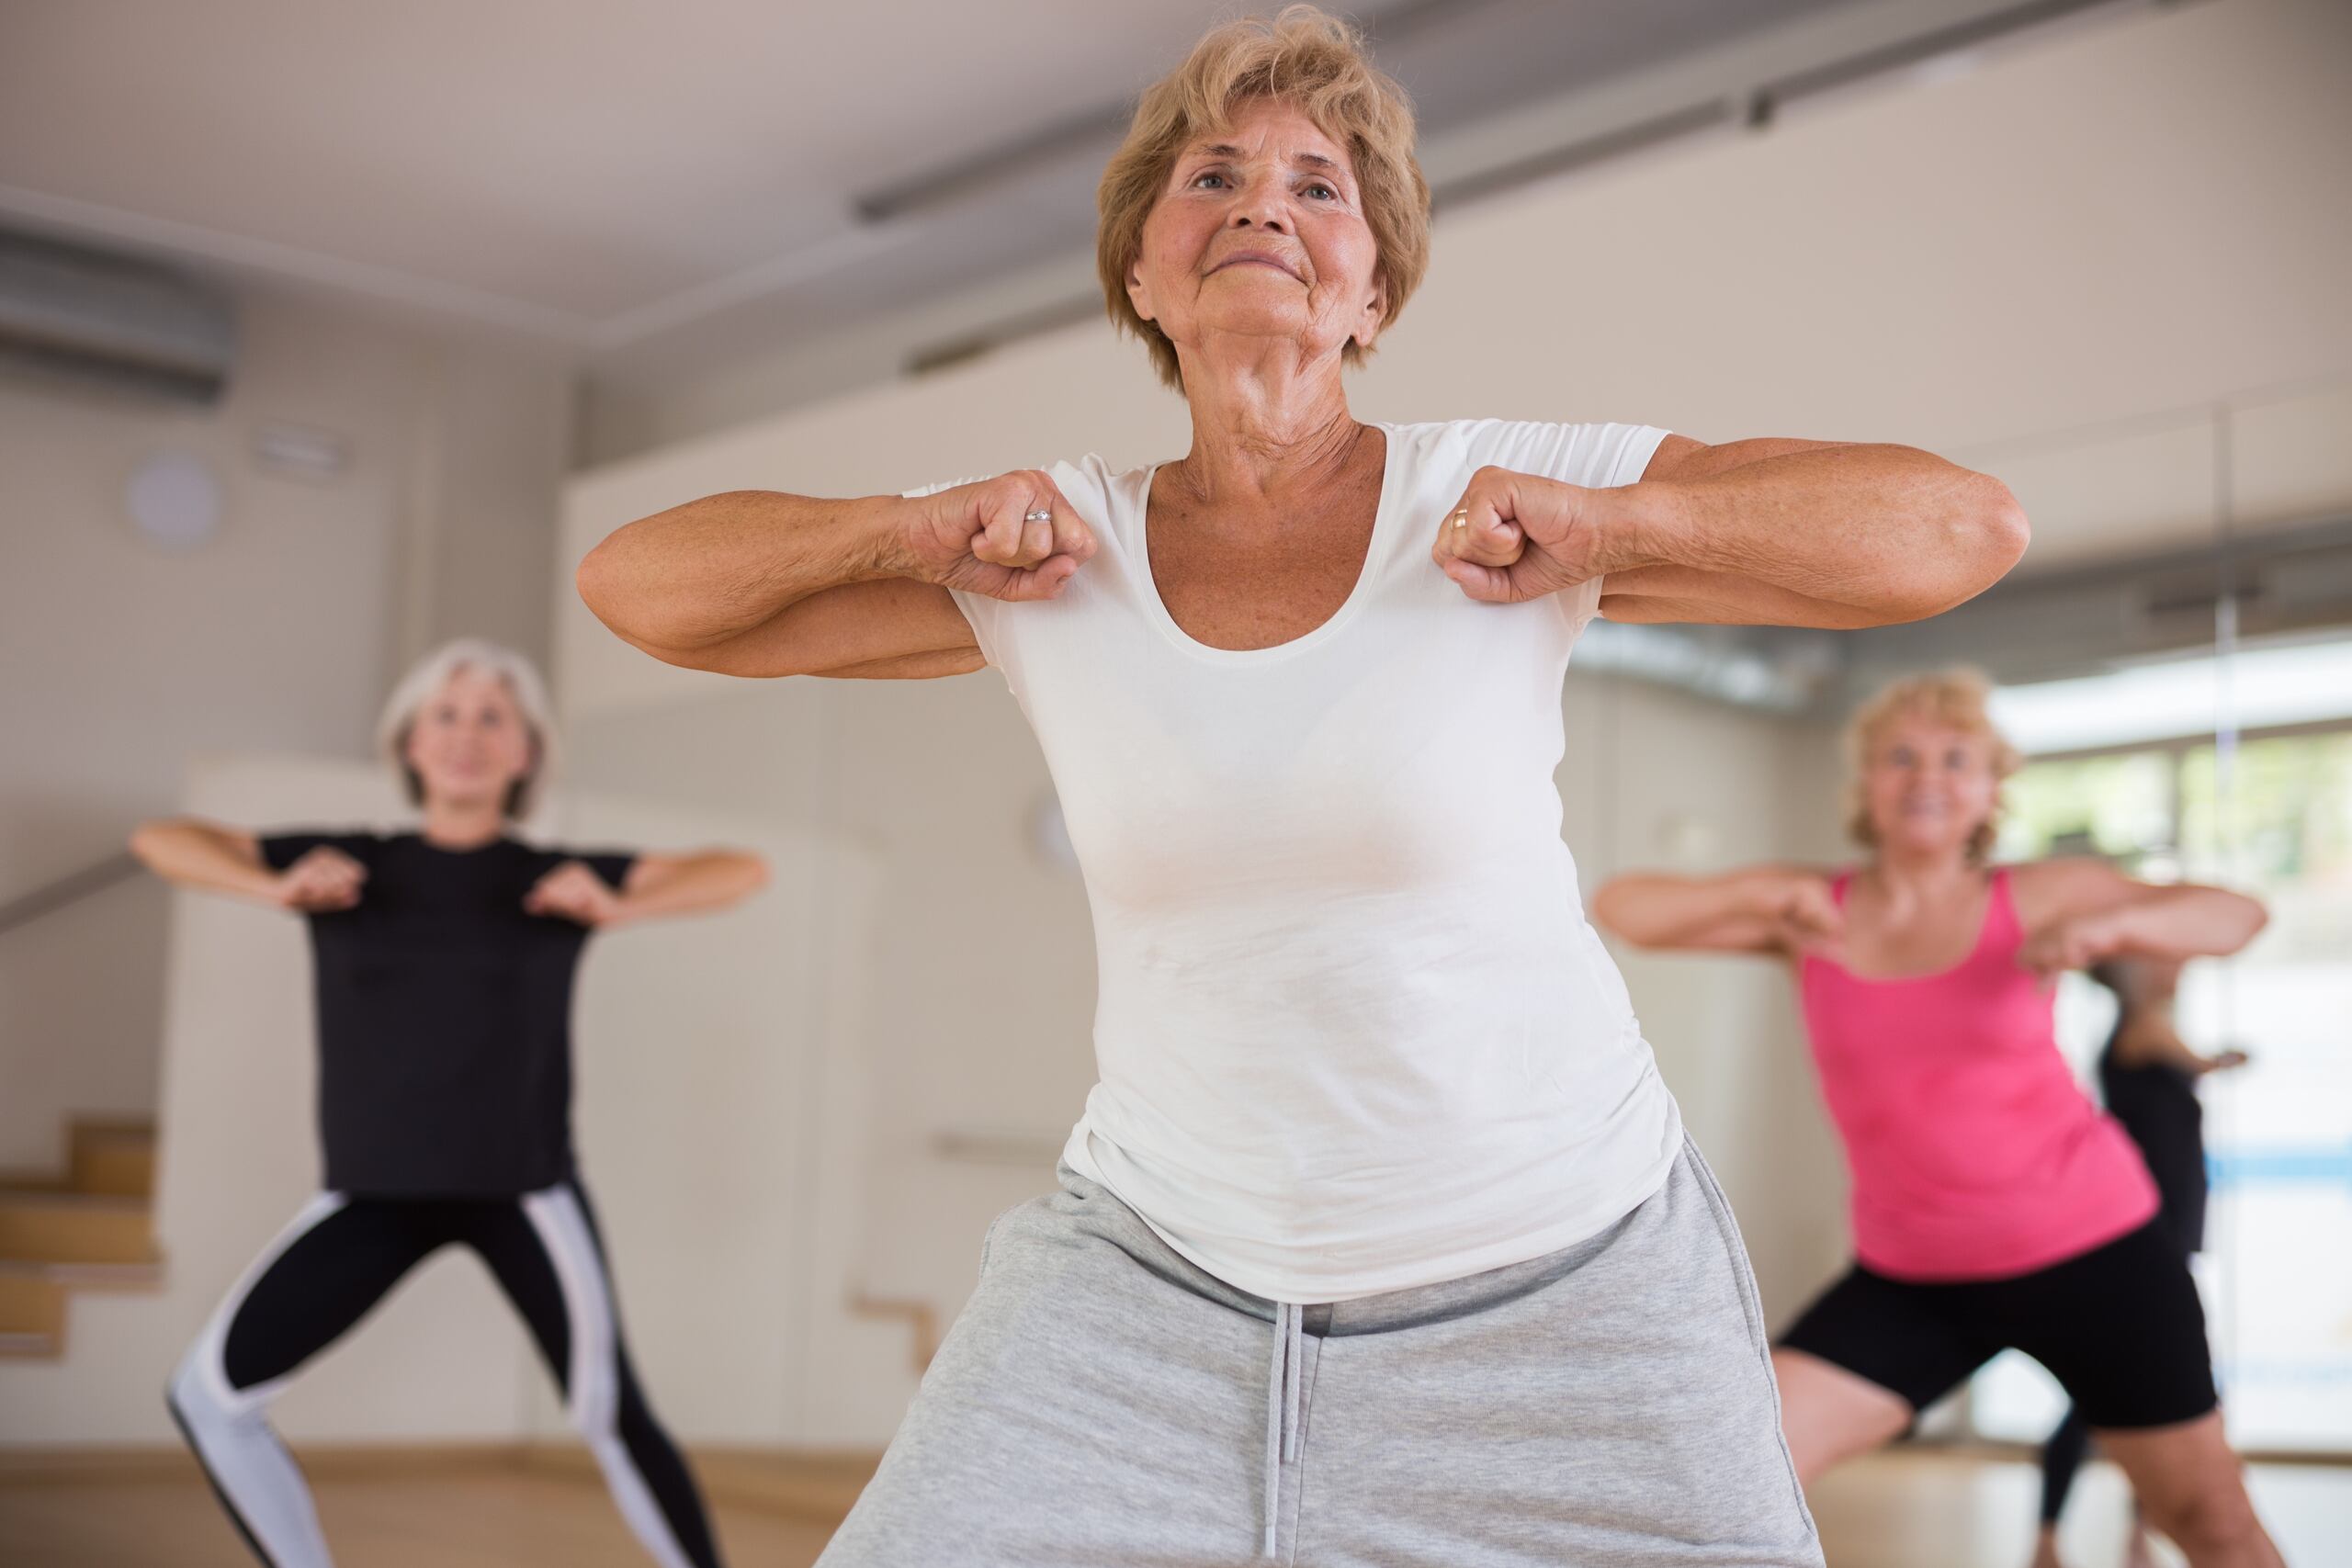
{"x":338,"y":1259}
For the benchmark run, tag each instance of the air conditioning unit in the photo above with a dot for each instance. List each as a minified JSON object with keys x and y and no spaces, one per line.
{"x":115,"y":321}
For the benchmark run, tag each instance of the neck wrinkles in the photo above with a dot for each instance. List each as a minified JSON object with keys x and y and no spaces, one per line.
{"x":1263,"y":428}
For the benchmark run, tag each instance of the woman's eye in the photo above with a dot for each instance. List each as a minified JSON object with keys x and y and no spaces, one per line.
{"x":1327,"y":191}
{"x":1197,"y":179}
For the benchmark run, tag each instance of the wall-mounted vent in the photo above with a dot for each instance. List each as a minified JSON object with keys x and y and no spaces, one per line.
{"x":113,"y":322}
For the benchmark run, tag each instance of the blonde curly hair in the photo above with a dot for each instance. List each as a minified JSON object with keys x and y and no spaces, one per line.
{"x":1955,"y":698}
{"x":1305,"y":57}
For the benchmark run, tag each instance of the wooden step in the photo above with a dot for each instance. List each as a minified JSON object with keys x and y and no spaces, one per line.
{"x":31,"y":1304}
{"x":36,"y":1297}
{"x":75,"y":1227}
{"x":32,"y":1317}
{"x":107,"y":1156}
{"x":112,"y":1159}
{"x":91,"y":1228}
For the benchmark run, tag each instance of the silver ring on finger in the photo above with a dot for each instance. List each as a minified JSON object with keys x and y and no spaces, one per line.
{"x":1039,"y":516}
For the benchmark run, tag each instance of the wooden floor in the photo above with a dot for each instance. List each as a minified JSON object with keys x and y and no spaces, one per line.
{"x":1901,"y":1510}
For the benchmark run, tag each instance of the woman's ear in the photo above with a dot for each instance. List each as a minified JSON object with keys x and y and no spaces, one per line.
{"x":1138,"y":295}
{"x":1375,"y":316}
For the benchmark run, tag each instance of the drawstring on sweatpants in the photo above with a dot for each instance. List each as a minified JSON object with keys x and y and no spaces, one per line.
{"x":1281,"y":1410}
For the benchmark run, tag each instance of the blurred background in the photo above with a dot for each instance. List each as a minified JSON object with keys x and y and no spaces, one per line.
{"x":328,"y":332}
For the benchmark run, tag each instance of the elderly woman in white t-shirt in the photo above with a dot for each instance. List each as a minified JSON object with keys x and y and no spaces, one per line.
{"x":1380,"y":1239}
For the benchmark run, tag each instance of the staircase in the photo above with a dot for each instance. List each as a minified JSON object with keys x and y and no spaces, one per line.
{"x":92,"y":1229}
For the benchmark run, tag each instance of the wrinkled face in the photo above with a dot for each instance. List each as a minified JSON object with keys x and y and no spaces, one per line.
{"x":1926,"y":787}
{"x":1259,"y":234}
{"x":470,"y":742}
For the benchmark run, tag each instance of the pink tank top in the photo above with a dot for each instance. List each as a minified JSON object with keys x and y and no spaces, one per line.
{"x":1975,"y":1154}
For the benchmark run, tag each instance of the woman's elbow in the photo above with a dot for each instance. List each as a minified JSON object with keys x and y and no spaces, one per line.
{"x":2005,"y":529}
{"x":1974,"y":548}
{"x":1991,"y":538}
{"x":1610,"y":911}
{"x":599,"y":579}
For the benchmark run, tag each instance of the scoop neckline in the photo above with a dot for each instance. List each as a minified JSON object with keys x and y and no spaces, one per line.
{"x":1994,"y":879}
{"x":1186,"y":643}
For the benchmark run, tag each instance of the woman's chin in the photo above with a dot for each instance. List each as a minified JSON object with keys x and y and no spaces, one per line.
{"x":1925,"y":843}
{"x":464,"y":794}
{"x":1245,"y":320}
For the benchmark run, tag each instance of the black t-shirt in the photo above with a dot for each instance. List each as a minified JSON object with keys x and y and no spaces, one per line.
{"x":444,"y":1017}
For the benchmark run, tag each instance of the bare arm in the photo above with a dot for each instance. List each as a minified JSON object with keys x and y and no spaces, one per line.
{"x":1765,"y":910}
{"x":657,"y":885}
{"x":1807,"y":532}
{"x":680,"y":884}
{"x":2164,"y":1047}
{"x":758,"y":582}
{"x":192,"y":854}
{"x":1753,"y":533}
{"x":2078,"y":911}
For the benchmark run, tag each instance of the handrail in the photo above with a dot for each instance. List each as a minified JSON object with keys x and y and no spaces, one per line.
{"x":71,"y":888}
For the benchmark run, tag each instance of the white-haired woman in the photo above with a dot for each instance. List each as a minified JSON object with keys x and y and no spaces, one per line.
{"x":443,"y":963}
{"x":1380,"y":1240}
{"x":1994,"y":1206}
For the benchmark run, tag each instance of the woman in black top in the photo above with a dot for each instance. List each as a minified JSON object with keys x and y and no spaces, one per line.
{"x":2147,"y":1077}
{"x":444,"y":960}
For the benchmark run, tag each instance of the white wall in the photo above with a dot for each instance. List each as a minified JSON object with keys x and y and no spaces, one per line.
{"x":715,"y":1090}
{"x":118,"y":662}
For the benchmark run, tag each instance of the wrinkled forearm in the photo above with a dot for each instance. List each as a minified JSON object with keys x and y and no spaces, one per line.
{"x":1888,"y":532}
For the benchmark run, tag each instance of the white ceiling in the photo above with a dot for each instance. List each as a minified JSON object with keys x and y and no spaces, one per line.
{"x":606,"y":173}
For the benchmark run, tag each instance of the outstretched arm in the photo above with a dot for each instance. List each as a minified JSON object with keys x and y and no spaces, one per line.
{"x":1768,"y":909}
{"x":2079,"y":911}
{"x":760,"y":582}
{"x":656,"y":885}
{"x":1810,"y":533}
{"x":1750,"y":533}
{"x":192,"y":854}
{"x":2165,"y":1047}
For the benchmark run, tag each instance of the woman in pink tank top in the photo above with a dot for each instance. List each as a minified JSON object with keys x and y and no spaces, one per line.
{"x":1994,"y":1206}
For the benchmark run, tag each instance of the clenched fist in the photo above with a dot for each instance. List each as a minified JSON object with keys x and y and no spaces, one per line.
{"x":1012,"y":537}
{"x":1513,"y":536}
{"x":320,"y":882}
{"x":573,"y":892}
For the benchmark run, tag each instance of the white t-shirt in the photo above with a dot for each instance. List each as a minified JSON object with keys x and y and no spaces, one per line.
{"x":1354,"y":1033}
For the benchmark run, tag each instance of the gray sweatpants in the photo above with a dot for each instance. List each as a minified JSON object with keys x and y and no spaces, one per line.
{"x":1102,"y":1403}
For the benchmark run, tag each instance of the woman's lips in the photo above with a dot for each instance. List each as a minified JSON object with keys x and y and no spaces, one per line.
{"x":1254,"y":260}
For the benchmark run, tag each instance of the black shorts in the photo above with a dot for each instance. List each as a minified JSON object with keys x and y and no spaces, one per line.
{"x":2119,"y":1328}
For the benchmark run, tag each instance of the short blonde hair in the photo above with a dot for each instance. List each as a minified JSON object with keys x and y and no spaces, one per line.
{"x":433,"y":671}
{"x":1955,"y":698}
{"x":1304,"y":57}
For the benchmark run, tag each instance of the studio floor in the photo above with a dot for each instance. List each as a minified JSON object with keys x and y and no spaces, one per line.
{"x":1908,"y":1509}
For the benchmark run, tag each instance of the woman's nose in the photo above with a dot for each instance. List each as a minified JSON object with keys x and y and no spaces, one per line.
{"x":1252,"y":211}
